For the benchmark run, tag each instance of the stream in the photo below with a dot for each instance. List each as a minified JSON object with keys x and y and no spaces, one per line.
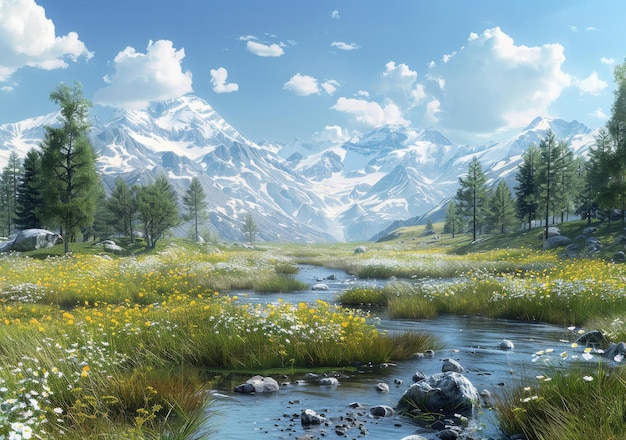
{"x":472,"y":341}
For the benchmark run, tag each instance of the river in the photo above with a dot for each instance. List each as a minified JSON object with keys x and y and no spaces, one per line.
{"x":472,"y":341}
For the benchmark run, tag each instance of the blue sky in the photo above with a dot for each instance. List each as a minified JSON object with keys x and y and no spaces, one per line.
{"x":279,"y":70}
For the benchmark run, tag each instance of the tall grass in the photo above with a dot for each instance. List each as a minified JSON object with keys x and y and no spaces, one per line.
{"x":580,"y":404}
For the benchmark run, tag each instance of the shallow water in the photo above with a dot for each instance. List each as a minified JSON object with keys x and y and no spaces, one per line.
{"x":472,"y":341}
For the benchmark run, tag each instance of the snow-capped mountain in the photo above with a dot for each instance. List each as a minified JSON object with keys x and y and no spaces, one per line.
{"x":298,"y":192}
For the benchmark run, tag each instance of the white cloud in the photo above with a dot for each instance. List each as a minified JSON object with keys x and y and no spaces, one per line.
{"x":28,"y":38}
{"x":400,"y":85}
{"x":345,"y":46}
{"x":219,"y":77}
{"x":363,"y":94}
{"x":369,"y":113}
{"x":592,"y":85}
{"x":302,"y":85}
{"x":486,"y":83}
{"x":330,"y":86}
{"x":599,"y":114}
{"x":432,"y":109}
{"x":335,"y":15}
{"x":609,"y":61}
{"x":331,"y":133}
{"x":141,"y":78}
{"x":264,"y":50}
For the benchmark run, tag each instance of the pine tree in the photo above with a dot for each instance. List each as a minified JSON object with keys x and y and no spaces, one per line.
{"x":501,"y":211}
{"x":9,"y":182}
{"x":194,"y":200}
{"x":549,"y":173}
{"x":454,"y":221}
{"x":29,"y":198}
{"x":526,"y":191}
{"x":472,"y":195}
{"x":68,"y":165}
{"x":250,"y":228}
{"x":158,"y":209}
{"x":123,"y":205}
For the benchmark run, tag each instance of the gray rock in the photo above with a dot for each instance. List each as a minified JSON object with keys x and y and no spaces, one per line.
{"x":448,"y":434}
{"x":30,"y":240}
{"x":309,"y":417}
{"x":556,"y":241}
{"x":451,"y":365}
{"x":413,"y":437}
{"x":553,"y":231}
{"x":319,"y":286}
{"x":443,"y":393}
{"x":593,"y":338}
{"x":359,"y":250}
{"x":258,"y":384}
{"x":418,"y":376}
{"x":329,"y":381}
{"x":505,"y":344}
{"x":382,"y":411}
{"x":382,"y":387}
{"x":619,"y":256}
{"x":616,"y":352}
{"x":589,"y":230}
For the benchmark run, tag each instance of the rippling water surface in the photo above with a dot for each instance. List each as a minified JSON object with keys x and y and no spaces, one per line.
{"x":472,"y":341}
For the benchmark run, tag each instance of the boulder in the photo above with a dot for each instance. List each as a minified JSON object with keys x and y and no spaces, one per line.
{"x":382,"y":411}
{"x":556,"y":241}
{"x":30,"y":240}
{"x":359,"y":250}
{"x":443,"y":393}
{"x":329,"y":381}
{"x":451,"y":365}
{"x":553,"y":231}
{"x":382,"y":387}
{"x":309,"y":417}
{"x":319,"y":286}
{"x":592,"y":338}
{"x":616,"y":352}
{"x":590,"y":230}
{"x":258,"y":384}
{"x":505,"y":344}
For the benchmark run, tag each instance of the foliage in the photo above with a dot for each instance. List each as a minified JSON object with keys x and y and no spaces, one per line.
{"x":9,"y":182}
{"x":250,"y":228}
{"x":501,"y":208}
{"x":194,"y":200}
{"x":70,"y":181}
{"x":158,"y":208}
{"x":526,"y":190}
{"x":472,"y":196}
{"x":122,"y":203}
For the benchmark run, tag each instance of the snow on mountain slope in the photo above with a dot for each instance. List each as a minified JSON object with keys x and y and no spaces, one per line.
{"x":297,"y":192}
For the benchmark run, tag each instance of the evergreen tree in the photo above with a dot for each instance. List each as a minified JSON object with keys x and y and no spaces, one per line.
{"x":250,"y":228}
{"x":454,"y":221}
{"x":598,"y":172}
{"x":68,"y":165}
{"x":501,"y":212}
{"x":616,"y":126}
{"x":194,"y":200}
{"x":123,"y":205}
{"x":549,"y":176}
{"x":29,"y":198}
{"x":565,"y":189}
{"x":472,"y":195}
{"x":101,"y":228}
{"x":526,"y":191}
{"x":158,"y":209}
{"x":9,"y":182}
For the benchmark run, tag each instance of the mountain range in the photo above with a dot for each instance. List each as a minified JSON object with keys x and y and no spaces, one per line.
{"x":348,"y":191}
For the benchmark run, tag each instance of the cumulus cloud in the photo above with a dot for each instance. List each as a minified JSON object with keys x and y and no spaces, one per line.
{"x":330,"y":86}
{"x":592,"y":85}
{"x":219,"y":82}
{"x":28,"y":38}
{"x":304,"y":85}
{"x":370,"y":114}
{"x":401,"y":86}
{"x":609,"y":61}
{"x":345,"y":46}
{"x":140,"y":78}
{"x":335,"y":15}
{"x":492,"y":84}
{"x":599,"y":114}
{"x":262,"y":49}
{"x":331,"y":133}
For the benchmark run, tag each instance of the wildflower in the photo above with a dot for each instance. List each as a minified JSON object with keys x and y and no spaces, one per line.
{"x":587,"y":378}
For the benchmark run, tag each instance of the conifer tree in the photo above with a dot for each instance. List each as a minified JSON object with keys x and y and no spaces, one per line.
{"x":194,"y":200}
{"x":526,"y":191}
{"x":472,"y":195}
{"x":501,"y":211}
{"x":158,"y":208}
{"x":68,"y":165}
{"x":29,"y":198}
{"x":9,"y":182}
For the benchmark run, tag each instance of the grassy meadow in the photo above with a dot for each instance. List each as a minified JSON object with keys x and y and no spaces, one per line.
{"x":106,"y":346}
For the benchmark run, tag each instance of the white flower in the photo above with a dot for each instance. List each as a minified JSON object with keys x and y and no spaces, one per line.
{"x":587,"y":378}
